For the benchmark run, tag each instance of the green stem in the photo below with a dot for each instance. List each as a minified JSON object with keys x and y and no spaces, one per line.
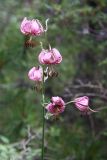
{"x":43,"y":117}
{"x":43,"y":135}
{"x":69,"y":102}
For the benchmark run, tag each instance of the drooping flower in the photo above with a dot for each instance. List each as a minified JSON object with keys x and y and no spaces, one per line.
{"x":31,"y":27}
{"x":82,"y":103}
{"x":56,"y":106}
{"x":25,"y":26}
{"x":51,"y":56}
{"x":36,"y":27}
{"x":36,"y":74}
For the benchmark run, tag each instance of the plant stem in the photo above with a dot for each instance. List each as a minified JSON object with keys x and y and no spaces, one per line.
{"x":43,"y":129}
{"x":43,"y":117}
{"x":69,"y":102}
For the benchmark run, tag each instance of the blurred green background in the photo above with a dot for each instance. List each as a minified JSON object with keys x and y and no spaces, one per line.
{"x":78,"y":28}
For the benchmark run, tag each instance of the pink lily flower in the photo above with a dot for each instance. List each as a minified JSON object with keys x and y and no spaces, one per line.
{"x":82,"y":103}
{"x":36,"y":74}
{"x":31,"y":27}
{"x":51,"y":56}
{"x":56,"y":106}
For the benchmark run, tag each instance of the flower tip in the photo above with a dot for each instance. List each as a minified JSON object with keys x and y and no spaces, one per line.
{"x":47,"y":19}
{"x":46,"y":23}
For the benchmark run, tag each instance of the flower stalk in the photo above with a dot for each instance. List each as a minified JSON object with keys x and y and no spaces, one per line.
{"x":69,"y":102}
{"x":43,"y":117}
